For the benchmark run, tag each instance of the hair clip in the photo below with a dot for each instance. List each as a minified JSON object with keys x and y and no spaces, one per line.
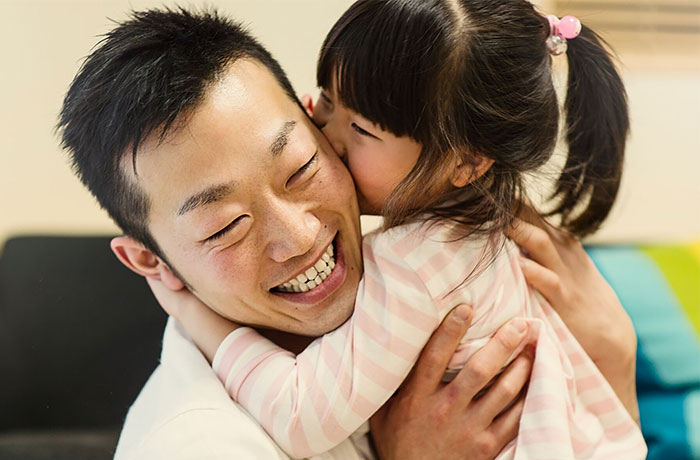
{"x":561,"y":30}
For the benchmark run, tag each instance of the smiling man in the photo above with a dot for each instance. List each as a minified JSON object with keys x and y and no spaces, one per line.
{"x":189,"y":134}
{"x":249,"y":196}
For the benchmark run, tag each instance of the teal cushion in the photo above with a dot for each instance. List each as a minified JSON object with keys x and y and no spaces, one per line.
{"x":659,"y":286}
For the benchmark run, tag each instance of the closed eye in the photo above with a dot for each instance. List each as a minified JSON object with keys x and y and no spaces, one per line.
{"x":325,"y":98}
{"x":363,"y":132}
{"x":300,"y":172}
{"x":225,"y":230}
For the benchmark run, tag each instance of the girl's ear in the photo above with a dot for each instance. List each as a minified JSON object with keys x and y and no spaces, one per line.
{"x":144,"y":262}
{"x":466,"y":173}
{"x":308,"y":103}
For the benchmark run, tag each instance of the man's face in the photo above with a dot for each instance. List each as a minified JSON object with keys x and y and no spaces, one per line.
{"x":249,"y":203}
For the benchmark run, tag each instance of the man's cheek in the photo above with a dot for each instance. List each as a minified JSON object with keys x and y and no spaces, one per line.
{"x":334,"y":182}
{"x":227,"y":268}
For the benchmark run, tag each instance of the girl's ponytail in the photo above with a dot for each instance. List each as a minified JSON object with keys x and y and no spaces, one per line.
{"x":597,"y":124}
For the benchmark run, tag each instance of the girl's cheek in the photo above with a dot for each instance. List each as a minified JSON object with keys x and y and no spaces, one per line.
{"x":369,"y":183}
{"x":369,"y":175}
{"x":357,"y":168}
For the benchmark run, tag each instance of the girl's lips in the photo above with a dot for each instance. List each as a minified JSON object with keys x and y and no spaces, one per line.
{"x":321,"y":292}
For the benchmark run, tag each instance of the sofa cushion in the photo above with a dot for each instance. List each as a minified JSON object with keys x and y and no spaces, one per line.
{"x":79,"y":334}
{"x":659,"y":286}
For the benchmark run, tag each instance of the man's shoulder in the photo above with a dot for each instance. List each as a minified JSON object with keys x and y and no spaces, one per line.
{"x":200,"y":432}
{"x":183,"y":412}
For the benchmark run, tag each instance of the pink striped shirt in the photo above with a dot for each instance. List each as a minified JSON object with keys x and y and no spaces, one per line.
{"x":413,"y":276}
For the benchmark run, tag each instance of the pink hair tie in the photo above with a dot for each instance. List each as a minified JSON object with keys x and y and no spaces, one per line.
{"x":560,"y":30}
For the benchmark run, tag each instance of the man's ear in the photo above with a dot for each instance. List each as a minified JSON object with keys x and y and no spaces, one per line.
{"x":137,"y":258}
{"x":308,"y":103}
{"x":466,"y":173}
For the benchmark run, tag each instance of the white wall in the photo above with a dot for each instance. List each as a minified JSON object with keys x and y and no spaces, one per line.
{"x":42,"y":43}
{"x":660,"y":196}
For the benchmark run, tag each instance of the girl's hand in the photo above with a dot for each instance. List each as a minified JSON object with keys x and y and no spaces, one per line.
{"x":429,"y":419}
{"x":207,"y":328}
{"x":558,"y":267}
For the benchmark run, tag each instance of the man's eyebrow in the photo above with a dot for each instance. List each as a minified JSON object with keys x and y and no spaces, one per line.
{"x":206,"y":196}
{"x":282,"y":138}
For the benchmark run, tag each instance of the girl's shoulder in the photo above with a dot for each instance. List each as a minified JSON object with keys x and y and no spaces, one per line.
{"x":418,"y":243}
{"x":402,"y":237}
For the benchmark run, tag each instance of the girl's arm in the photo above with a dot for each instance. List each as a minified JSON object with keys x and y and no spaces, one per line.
{"x":560,"y":269}
{"x":310,"y":402}
{"x":206,"y":328}
{"x":414,"y":424}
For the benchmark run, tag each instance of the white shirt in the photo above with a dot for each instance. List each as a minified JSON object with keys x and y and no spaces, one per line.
{"x":184,"y":413}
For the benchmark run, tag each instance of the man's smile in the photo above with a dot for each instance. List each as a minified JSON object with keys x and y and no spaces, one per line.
{"x":313,"y":276}
{"x":318,"y":280}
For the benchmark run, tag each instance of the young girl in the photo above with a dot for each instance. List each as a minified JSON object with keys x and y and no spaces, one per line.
{"x":439,"y":108}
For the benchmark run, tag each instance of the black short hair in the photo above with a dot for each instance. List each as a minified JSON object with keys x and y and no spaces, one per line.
{"x":141,"y":79}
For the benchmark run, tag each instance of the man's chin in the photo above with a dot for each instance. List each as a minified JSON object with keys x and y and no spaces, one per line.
{"x":325,"y":319}
{"x":297,"y":339}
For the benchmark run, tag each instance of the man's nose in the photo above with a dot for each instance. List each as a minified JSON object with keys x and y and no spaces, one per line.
{"x":293,"y":231}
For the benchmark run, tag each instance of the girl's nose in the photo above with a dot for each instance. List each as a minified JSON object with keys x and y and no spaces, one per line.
{"x":333,"y":133}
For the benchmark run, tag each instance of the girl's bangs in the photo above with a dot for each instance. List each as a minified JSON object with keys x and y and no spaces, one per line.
{"x":382,"y":61}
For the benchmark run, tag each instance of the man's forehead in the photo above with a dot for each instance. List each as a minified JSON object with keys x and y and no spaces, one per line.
{"x":244,"y":81}
{"x":245,"y":85}
{"x":248,"y":78}
{"x":244,"y":121}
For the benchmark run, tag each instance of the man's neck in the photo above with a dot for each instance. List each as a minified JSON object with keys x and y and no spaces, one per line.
{"x":294,"y":343}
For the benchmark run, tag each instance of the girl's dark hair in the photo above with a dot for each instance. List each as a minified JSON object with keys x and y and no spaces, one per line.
{"x":474,"y":77}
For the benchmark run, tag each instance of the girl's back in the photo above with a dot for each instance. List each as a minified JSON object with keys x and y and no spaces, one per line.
{"x":570,"y":410}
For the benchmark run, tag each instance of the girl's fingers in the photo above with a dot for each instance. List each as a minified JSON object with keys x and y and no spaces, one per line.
{"x":432,"y":363}
{"x":486,"y":363}
{"x":164,"y":297}
{"x":159,"y":290}
{"x":173,"y":302}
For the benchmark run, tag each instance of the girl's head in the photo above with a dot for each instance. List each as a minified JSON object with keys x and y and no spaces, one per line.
{"x":442,"y":106}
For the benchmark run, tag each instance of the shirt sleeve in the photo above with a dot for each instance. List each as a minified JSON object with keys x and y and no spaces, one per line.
{"x":311,"y":402}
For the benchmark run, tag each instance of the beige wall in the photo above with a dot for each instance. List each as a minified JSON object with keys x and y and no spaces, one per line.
{"x":42,"y":43}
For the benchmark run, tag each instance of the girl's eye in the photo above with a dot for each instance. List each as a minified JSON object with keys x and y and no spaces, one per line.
{"x":300,"y":172}
{"x":325,"y":98}
{"x":226,"y":229}
{"x":362,"y":131}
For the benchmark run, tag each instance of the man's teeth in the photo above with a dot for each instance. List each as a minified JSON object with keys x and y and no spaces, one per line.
{"x":312,"y":277}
